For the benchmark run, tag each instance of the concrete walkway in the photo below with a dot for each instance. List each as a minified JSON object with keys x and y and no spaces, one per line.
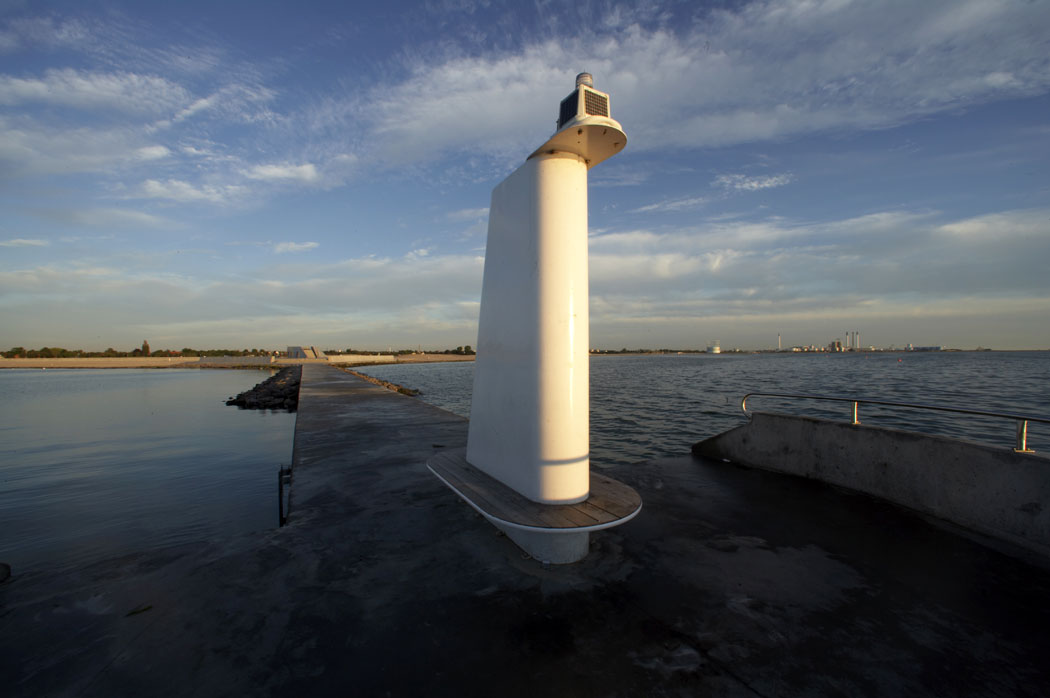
{"x":730,"y":582}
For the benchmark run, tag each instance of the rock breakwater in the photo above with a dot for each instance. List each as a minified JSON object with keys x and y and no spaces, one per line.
{"x":278,"y":392}
{"x":386,"y":384}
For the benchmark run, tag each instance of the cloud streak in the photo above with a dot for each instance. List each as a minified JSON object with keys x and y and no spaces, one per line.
{"x":185,"y":192}
{"x":301,"y":173}
{"x":765,"y":71}
{"x":739,"y":182}
{"x":683,"y":204}
{"x":382,"y":298}
{"x":891,"y":255}
{"x":112,"y":217}
{"x":120,"y":91}
{"x":23,"y":242}
{"x":282,"y":247}
{"x":28,"y":148}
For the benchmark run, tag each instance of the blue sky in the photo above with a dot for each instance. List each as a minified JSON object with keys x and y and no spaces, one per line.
{"x":259,"y":174}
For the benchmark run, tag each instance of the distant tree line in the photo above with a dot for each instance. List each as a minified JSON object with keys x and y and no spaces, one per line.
{"x":350,"y":350}
{"x":625,"y":350}
{"x":465,"y":350}
{"x":144,"y":350}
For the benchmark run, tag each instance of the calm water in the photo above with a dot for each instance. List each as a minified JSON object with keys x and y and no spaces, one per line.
{"x":99,"y":463}
{"x":648,"y":406}
{"x":95,"y":464}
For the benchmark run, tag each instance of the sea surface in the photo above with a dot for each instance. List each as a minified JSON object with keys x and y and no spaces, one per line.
{"x":96,"y":464}
{"x":644,"y":407}
{"x":101,"y":463}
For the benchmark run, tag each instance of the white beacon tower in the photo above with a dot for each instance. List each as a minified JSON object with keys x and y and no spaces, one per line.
{"x":530,"y":414}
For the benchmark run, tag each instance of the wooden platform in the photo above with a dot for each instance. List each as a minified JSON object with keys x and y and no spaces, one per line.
{"x":610,"y":503}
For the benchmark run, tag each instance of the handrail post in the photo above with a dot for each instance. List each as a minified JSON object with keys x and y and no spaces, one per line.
{"x":855,"y":420}
{"x":1022,"y":437}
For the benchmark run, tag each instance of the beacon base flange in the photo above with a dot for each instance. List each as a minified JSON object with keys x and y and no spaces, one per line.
{"x":554,"y":533}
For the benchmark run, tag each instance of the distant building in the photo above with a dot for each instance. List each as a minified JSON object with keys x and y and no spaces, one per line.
{"x":305,"y":353}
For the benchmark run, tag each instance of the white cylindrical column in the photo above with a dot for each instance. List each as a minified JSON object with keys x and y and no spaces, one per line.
{"x":564,"y":328}
{"x":529,"y":422}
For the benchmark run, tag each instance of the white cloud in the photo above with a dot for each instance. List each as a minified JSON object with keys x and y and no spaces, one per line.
{"x":235,"y":101}
{"x":741,"y":182}
{"x":302,"y":173}
{"x":965,"y":321}
{"x":493,"y":104}
{"x":805,"y":266}
{"x":152,"y":152}
{"x":1001,"y":80}
{"x":764,"y":70}
{"x":29,"y":147}
{"x":375,"y":299}
{"x":999,"y":227}
{"x":179,"y":190}
{"x":631,"y":240}
{"x":123,"y":91}
{"x":281,"y":247}
{"x":199,"y":105}
{"x":468,"y":214}
{"x":42,"y":30}
{"x":613,"y":176}
{"x":113,"y":217}
{"x":655,"y":266}
{"x":477,"y":218}
{"x":21,"y":242}
{"x":683,"y":204}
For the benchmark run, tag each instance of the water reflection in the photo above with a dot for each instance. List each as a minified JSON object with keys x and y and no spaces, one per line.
{"x":96,"y":463}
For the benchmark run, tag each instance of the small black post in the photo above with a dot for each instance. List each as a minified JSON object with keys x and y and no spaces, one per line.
{"x":283,"y":475}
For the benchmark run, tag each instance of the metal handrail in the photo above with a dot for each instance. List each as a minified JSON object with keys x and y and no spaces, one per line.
{"x":1022,"y":420}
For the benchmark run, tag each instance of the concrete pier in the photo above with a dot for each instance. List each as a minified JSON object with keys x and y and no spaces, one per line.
{"x":730,"y":582}
{"x":994,"y":490}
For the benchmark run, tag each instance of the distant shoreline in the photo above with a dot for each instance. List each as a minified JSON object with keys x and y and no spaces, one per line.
{"x":749,"y":352}
{"x":102,"y":362}
{"x":255,"y":362}
{"x":226,"y":361}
